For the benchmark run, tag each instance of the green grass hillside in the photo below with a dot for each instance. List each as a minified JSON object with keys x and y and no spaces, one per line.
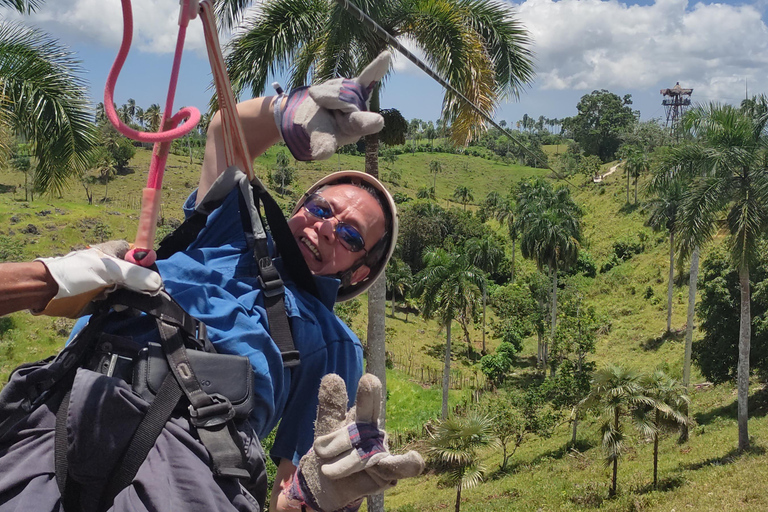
{"x":704,"y":474}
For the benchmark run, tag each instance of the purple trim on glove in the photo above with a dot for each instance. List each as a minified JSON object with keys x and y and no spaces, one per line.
{"x":295,"y":137}
{"x":366,"y":439}
{"x":354,"y":93}
{"x":299,"y":491}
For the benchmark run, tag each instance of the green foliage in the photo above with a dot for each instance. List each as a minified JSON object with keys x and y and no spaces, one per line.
{"x":395,"y":127}
{"x":598,"y":126}
{"x":347,"y":310}
{"x":589,"y":165}
{"x":455,"y":443}
{"x":716,"y":353}
{"x":11,"y":248}
{"x":496,"y":366}
{"x":119,"y":148}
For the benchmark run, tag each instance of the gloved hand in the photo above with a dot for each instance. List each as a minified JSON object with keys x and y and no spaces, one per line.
{"x":316,"y":120}
{"x":84,"y":276}
{"x":349,"y":458}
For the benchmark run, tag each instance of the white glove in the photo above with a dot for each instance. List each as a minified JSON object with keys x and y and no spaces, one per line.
{"x":316,"y":120}
{"x":84,"y":276}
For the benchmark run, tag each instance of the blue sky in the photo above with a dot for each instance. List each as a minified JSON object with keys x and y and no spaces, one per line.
{"x":580,"y":45}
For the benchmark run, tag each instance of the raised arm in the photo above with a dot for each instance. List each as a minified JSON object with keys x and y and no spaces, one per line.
{"x":261,"y":133}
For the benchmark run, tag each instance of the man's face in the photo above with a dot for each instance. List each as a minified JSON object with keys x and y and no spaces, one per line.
{"x":318,"y":240}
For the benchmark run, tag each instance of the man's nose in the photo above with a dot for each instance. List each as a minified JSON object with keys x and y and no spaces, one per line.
{"x":327,"y":229}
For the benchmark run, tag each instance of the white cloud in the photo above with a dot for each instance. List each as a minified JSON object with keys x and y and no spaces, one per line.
{"x":579,"y":44}
{"x":592,"y":44}
{"x":100,"y":23}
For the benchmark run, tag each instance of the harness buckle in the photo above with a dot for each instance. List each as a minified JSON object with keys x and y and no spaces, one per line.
{"x":217,"y":413}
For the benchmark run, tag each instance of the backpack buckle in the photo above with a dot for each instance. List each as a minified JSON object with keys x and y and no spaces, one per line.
{"x":217,"y":413}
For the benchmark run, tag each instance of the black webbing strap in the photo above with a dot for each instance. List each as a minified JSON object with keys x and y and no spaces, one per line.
{"x":272,"y":285}
{"x":143,"y":439}
{"x":69,"y":494}
{"x":207,"y":412}
{"x":182,"y":236}
{"x":294,"y":262}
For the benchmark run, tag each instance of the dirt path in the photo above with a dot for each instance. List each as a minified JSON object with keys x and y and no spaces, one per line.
{"x":598,"y":179}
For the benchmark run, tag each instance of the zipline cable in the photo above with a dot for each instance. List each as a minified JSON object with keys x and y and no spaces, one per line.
{"x":379,"y":31}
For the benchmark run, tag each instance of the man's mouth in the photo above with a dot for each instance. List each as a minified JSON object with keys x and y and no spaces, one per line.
{"x":312,"y":247}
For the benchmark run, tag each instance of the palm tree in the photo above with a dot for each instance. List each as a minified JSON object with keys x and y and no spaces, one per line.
{"x":463,"y":194}
{"x":725,"y":163}
{"x":506,"y":213}
{"x":486,"y":255}
{"x":153,"y":116}
{"x":435,"y":167}
{"x":455,"y":443}
{"x":615,"y":392}
{"x":398,"y":278}
{"x":479,"y":47}
{"x":448,"y":288}
{"x":670,"y":397}
{"x":550,"y":233}
{"x":636,"y":164}
{"x":663,"y":215}
{"x":44,"y":101}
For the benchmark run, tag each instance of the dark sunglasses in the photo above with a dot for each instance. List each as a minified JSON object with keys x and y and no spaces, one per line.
{"x":348,"y":235}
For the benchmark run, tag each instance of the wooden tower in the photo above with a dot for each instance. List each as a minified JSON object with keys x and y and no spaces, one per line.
{"x":676,"y":100}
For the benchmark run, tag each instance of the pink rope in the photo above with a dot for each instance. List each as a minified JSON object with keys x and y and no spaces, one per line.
{"x":189,"y":114}
{"x":142,"y":254}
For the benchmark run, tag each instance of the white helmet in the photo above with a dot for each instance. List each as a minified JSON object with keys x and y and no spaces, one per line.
{"x":379,"y":255}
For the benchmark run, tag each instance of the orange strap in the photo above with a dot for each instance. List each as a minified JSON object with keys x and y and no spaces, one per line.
{"x":235,"y":146}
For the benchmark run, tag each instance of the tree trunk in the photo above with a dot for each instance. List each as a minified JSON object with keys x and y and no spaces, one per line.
{"x":393,"y":302}
{"x":692,"y":282}
{"x":458,"y":498}
{"x":636,"y":180}
{"x":575,"y":426}
{"x":377,"y":298}
{"x":627,"y":170}
{"x":656,"y":452}
{"x":612,"y":492}
{"x":553,"y":312}
{"x":670,"y":284}
{"x":446,"y":369}
{"x":745,"y":334}
{"x":484,"y":305}
{"x":513,"y":261}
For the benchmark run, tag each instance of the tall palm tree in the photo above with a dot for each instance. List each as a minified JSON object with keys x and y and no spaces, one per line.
{"x":550,"y":233}
{"x":463,"y":194}
{"x":486,"y":255}
{"x":615,"y":392}
{"x":663,"y":215}
{"x":435,"y":167}
{"x":636,"y":164}
{"x":726,"y":163}
{"x":455,"y":443}
{"x":449,"y":288}
{"x":153,"y":116}
{"x":44,"y":101}
{"x":398,"y":278}
{"x":670,"y":397}
{"x":506,"y":213}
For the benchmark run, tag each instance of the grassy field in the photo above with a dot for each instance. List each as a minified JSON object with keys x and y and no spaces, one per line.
{"x":704,"y":474}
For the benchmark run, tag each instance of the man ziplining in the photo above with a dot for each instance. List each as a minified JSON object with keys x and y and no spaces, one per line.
{"x":328,"y":459}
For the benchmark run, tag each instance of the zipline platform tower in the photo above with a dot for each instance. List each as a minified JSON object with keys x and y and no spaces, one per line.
{"x":676,"y":100}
